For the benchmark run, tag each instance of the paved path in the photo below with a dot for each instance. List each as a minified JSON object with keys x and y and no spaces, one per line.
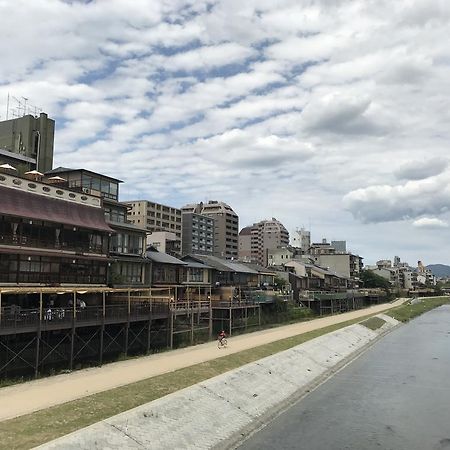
{"x":40,"y":394}
{"x":395,"y":396}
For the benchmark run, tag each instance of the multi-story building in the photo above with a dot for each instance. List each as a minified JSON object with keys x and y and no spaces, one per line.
{"x":262,"y":237}
{"x":301,"y":238}
{"x":27,"y":142}
{"x":165,"y":242}
{"x":226,"y":226}
{"x":154,"y":217}
{"x":127,"y":244}
{"x":50,"y":235}
{"x":197,"y":234}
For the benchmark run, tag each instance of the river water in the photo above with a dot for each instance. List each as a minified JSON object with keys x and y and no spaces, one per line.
{"x":395,"y":396}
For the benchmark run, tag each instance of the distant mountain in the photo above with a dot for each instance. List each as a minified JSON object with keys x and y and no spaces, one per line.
{"x":439,"y":270}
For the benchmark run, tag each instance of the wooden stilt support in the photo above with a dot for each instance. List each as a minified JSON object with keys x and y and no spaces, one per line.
{"x":210,"y":327}
{"x":38,"y":339}
{"x":192,"y":327}
{"x":231,"y":321}
{"x":102,"y":328}
{"x":259,"y":316}
{"x":171,"y":330}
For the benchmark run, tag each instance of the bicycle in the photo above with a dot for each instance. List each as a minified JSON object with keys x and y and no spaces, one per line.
{"x":222,"y":343}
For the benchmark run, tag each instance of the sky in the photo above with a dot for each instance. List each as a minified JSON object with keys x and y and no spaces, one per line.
{"x":328,"y":114}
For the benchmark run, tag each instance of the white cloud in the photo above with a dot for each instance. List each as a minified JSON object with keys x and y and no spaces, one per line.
{"x":305,"y":110}
{"x":430,"y":222}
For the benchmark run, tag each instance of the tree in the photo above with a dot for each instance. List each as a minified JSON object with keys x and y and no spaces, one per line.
{"x":372,"y":280}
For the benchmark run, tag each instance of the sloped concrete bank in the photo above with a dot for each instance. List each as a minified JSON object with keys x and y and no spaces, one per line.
{"x":219,"y":412}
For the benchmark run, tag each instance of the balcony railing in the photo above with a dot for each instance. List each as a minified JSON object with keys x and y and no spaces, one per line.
{"x":26,"y":241}
{"x":16,"y":318}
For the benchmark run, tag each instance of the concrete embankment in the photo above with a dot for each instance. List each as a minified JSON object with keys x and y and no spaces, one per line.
{"x":216,"y":412}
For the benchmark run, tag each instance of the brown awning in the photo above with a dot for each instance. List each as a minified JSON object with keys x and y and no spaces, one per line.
{"x":14,"y":202}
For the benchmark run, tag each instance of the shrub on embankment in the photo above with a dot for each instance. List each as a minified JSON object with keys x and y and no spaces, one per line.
{"x":409,"y":311}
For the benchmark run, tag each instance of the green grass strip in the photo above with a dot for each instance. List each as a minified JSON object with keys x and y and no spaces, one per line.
{"x":373,"y":323}
{"x":407,"y":312}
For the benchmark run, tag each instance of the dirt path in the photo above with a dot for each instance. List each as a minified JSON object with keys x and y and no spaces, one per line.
{"x":32,"y":396}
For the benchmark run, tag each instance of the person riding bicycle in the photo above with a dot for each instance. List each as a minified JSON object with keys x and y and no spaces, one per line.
{"x":222,"y":335}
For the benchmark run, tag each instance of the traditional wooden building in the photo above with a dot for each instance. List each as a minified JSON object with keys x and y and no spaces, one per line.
{"x":50,"y":235}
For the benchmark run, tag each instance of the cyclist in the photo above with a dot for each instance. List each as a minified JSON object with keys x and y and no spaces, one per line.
{"x":222,"y":335}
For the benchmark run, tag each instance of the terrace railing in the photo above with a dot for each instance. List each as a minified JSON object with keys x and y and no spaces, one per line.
{"x":20,"y":318}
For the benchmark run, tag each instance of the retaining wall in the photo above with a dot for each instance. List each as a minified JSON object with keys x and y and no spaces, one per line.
{"x":224,"y":409}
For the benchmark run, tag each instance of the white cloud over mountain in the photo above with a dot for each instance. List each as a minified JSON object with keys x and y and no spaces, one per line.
{"x":329,"y":113}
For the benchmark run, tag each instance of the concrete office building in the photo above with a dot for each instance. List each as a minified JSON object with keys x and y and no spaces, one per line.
{"x":154,"y":216}
{"x":226,"y":226}
{"x":197,"y":234}
{"x":255,"y":241}
{"x":27,"y":142}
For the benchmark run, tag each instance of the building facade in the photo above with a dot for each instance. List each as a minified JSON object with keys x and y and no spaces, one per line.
{"x":197,"y":234}
{"x":127,"y":243}
{"x":226,"y":226}
{"x":27,"y":142}
{"x":262,"y":237}
{"x":154,"y":216}
{"x":51,"y":236}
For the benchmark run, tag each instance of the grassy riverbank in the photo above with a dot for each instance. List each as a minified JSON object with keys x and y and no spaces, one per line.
{"x":410,"y":310}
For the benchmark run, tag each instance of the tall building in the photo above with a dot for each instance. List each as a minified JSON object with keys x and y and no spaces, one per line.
{"x":226,"y":226}
{"x":255,"y":241}
{"x":302,"y":239}
{"x":27,"y":142}
{"x":197,"y":234}
{"x":154,"y":216}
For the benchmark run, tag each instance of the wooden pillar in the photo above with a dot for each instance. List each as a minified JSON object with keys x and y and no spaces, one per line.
{"x":126,"y":333}
{"x":231,"y":320}
{"x":259,"y":315}
{"x":102,"y":327}
{"x":210,"y":328}
{"x":74,"y":306}
{"x":199,"y":305}
{"x":38,"y":339}
{"x":171,"y":330}
{"x":192,"y":327}
{"x":149,"y":335}
{"x":72,"y":334}
{"x":0,"y":307}
{"x":246,"y":317}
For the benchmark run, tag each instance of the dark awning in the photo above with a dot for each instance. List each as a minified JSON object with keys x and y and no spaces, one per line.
{"x":14,"y":202}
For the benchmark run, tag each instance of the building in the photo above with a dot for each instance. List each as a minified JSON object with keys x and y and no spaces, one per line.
{"x":262,"y":237}
{"x":339,"y":246}
{"x":165,"y":242}
{"x":245,"y":244}
{"x":50,"y":235}
{"x":154,"y":216}
{"x":280,"y":256}
{"x":197,"y":234}
{"x":301,"y":238}
{"x":27,"y":142}
{"x":226,"y":226}
{"x":127,"y":244}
